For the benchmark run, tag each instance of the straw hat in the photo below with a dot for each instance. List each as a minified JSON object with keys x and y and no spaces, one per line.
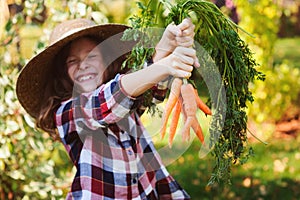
{"x":33,"y":77}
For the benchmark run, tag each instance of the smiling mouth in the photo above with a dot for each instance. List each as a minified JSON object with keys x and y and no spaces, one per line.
{"x":85,"y":77}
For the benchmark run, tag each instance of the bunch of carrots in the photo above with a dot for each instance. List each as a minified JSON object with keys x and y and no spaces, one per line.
{"x":183,"y":99}
{"x":219,"y":37}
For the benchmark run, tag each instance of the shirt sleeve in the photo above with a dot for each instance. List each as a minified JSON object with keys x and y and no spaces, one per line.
{"x":112,"y":103}
{"x":160,"y":89}
{"x":106,"y":105}
{"x":158,"y":92}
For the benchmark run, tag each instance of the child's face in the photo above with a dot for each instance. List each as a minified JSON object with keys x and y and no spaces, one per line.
{"x":85,"y":65}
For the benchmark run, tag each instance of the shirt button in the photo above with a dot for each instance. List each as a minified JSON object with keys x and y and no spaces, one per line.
{"x":134,"y":181}
{"x":130,"y":152}
{"x":134,"y":178}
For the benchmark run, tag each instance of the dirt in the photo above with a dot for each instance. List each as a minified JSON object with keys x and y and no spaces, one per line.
{"x":290,"y":122}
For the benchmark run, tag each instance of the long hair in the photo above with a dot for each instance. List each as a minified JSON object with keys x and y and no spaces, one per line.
{"x":60,"y":86}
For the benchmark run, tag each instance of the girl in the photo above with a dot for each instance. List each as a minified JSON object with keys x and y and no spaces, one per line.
{"x":77,"y":91}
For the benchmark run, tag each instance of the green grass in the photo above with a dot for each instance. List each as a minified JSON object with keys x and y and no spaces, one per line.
{"x":273,"y":173}
{"x":287,"y":49}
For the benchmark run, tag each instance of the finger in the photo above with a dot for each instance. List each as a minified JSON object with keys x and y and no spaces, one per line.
{"x":184,"y":38}
{"x":184,"y":63}
{"x":189,"y":32}
{"x":187,"y":51}
{"x":174,"y":30}
{"x":186,"y":23}
{"x":184,"y":41}
{"x":184,"y":74}
{"x":181,"y":74}
{"x":187,"y":55}
{"x":188,"y":62}
{"x":196,"y":62}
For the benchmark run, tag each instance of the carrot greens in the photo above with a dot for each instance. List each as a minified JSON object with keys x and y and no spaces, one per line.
{"x":218,"y":36}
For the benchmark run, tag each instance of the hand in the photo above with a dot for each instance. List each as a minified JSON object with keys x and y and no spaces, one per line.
{"x":180,"y":35}
{"x":185,"y":35}
{"x":180,"y":62}
{"x":177,"y":64}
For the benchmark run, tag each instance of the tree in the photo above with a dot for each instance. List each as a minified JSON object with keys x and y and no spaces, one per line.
{"x":282,"y":85}
{"x":32,"y":166}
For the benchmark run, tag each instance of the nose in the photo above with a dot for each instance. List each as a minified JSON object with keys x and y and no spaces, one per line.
{"x":82,"y":64}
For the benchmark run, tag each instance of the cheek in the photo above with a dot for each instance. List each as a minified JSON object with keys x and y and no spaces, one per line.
{"x":71,"y":72}
{"x":100,"y":67}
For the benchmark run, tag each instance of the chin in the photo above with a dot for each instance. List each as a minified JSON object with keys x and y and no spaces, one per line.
{"x":83,"y":89}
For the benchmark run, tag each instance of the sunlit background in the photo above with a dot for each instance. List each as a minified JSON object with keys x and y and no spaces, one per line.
{"x":32,"y":166}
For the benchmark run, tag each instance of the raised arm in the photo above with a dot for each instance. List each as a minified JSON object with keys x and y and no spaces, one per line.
{"x":178,"y":64}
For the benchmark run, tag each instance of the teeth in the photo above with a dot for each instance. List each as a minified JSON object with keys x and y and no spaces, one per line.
{"x":84,"y":78}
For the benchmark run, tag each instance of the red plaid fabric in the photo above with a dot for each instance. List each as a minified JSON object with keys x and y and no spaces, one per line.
{"x":113,"y":153}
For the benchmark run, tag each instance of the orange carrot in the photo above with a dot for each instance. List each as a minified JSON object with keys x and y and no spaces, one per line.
{"x":190,"y":108}
{"x":189,"y":101}
{"x":186,"y":129}
{"x":172,"y":100}
{"x":183,"y":112}
{"x":174,"y":122}
{"x":184,"y":133}
{"x":198,"y":130}
{"x":201,"y":105}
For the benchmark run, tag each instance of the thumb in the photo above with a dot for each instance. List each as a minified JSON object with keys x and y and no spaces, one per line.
{"x":174,"y":30}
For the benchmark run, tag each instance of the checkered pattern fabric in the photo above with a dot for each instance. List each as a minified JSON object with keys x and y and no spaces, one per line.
{"x":113,"y":153}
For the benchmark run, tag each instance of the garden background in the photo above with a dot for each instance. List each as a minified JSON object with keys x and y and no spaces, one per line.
{"x":32,"y":166}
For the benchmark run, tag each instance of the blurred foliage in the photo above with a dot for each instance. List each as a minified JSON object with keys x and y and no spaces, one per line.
{"x":32,"y":166}
{"x":261,"y":19}
{"x":282,"y":85}
{"x":28,"y":157}
{"x":290,"y":19}
{"x":277,"y":93}
{"x":287,"y":49}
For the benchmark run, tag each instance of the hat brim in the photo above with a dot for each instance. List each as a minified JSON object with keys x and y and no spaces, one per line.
{"x":32,"y":78}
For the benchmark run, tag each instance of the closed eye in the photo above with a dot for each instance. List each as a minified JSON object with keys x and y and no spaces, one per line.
{"x":71,"y":61}
{"x":90,"y":56}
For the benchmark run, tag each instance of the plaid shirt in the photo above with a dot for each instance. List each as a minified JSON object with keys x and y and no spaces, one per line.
{"x":114,"y":155}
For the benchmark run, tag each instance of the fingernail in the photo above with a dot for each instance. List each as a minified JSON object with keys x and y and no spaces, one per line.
{"x":197,"y":64}
{"x":188,"y":75}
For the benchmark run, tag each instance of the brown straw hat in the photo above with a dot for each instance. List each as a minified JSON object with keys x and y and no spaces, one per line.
{"x":33,"y":77}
